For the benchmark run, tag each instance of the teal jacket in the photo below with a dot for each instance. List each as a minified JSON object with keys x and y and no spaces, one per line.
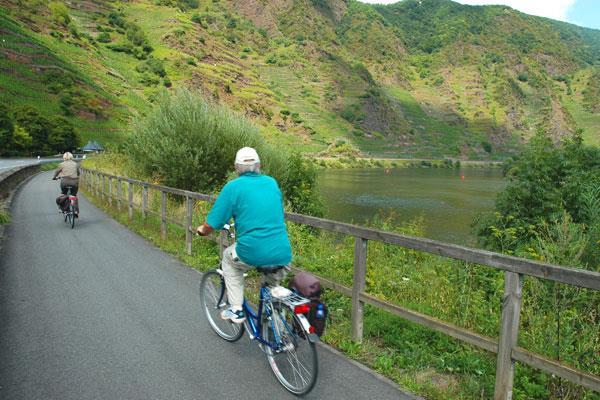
{"x":255,"y":203}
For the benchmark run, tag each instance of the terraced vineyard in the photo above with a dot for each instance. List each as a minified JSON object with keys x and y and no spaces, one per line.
{"x":415,"y":79}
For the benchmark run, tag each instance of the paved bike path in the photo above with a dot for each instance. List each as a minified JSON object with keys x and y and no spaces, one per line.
{"x":99,"y":313}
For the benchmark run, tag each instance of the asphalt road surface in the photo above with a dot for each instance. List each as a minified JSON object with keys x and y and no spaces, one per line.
{"x":99,"y":313}
{"x":6,"y":163}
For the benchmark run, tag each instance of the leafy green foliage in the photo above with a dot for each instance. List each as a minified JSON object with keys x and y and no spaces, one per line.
{"x":188,"y":142}
{"x":60,"y":12}
{"x":104,"y":37}
{"x":591,"y":93}
{"x":28,"y":132}
{"x":548,"y":185}
{"x":7,"y":129}
{"x":153,"y":65}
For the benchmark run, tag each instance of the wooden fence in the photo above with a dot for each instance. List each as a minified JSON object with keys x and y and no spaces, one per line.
{"x":103,"y":185}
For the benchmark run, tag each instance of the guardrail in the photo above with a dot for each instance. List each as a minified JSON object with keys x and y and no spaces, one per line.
{"x":10,"y":178}
{"x":514,"y":268}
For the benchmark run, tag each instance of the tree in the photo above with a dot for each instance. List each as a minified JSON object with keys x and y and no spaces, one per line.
{"x":547,"y":184}
{"x":7,"y":130}
{"x":190,"y":143}
{"x":62,"y":136}
{"x":21,"y":141}
{"x":36,"y":126}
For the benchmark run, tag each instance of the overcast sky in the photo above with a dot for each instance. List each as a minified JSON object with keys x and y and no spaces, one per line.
{"x":581,"y":12}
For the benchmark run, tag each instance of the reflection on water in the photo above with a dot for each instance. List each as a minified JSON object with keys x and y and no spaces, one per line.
{"x":447,"y":199}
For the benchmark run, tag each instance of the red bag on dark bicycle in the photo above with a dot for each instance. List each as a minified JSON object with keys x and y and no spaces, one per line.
{"x":62,"y":202}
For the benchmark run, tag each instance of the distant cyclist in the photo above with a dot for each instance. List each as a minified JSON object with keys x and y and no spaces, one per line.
{"x":68,"y":171}
{"x":255,"y":203}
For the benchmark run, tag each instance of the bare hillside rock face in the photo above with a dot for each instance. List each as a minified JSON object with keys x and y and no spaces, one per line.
{"x":263,"y":13}
{"x":266,"y":14}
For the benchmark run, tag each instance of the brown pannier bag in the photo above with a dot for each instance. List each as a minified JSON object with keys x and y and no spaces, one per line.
{"x":309,"y":286}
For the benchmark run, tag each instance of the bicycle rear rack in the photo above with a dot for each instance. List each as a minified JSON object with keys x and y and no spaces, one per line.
{"x":294,"y":300}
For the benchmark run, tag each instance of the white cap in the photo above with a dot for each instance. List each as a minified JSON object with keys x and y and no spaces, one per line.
{"x":246,"y":156}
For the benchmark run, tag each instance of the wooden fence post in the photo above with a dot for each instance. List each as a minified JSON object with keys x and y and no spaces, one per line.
{"x":144,"y":201}
{"x":110,"y":191}
{"x":95,"y":186}
{"x":360,"y":273}
{"x":119,"y":193}
{"x":103,"y":188}
{"x":509,"y":332}
{"x":163,"y":215}
{"x":188,"y":225}
{"x":130,"y":199}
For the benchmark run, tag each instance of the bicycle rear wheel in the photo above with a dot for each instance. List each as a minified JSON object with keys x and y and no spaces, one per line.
{"x":295,"y":364}
{"x":213,"y":298}
{"x":71,"y":216}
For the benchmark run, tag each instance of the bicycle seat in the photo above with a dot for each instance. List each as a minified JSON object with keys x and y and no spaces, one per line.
{"x":270,"y":269}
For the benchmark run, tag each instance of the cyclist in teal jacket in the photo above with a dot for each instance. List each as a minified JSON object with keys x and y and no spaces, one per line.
{"x":255,"y":203}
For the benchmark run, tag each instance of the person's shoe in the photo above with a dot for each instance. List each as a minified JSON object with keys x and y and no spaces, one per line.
{"x":236,"y":316}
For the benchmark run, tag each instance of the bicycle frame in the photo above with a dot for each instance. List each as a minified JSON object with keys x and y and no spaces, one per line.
{"x":253,"y":324}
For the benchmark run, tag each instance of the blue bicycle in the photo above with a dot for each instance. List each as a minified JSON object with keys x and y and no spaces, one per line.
{"x":280,"y":326}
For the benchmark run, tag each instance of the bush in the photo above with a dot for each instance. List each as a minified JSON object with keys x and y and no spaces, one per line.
{"x":187,"y":4}
{"x":104,"y":37}
{"x":545,"y":182}
{"x":353,"y":113}
{"x":154,"y":65}
{"x":60,"y":13}
{"x":121,"y":48}
{"x":190,"y":143}
{"x":487,"y":147}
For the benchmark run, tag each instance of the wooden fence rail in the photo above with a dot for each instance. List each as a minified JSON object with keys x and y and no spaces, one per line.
{"x":514,"y":270}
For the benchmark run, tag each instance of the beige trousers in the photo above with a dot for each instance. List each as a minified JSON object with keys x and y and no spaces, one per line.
{"x":233,"y":272}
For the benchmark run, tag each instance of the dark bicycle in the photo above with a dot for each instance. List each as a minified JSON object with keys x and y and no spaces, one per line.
{"x":69,"y":211}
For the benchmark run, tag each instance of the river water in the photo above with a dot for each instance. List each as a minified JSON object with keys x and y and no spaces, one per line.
{"x":448,"y":199}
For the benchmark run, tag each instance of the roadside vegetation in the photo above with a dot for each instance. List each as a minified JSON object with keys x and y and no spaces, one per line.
{"x":4,"y":215}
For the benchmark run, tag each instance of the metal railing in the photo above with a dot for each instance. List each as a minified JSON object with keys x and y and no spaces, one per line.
{"x":514,"y":268}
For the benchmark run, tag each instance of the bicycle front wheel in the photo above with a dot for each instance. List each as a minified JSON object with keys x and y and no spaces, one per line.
{"x":294,"y":363}
{"x":213,"y":298}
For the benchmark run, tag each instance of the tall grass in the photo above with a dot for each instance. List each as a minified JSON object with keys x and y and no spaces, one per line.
{"x":4,"y":216}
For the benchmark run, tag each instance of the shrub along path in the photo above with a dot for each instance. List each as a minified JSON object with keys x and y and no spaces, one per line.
{"x":98,"y":312}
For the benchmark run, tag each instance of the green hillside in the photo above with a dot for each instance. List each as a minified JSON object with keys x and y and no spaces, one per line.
{"x":428,"y":78}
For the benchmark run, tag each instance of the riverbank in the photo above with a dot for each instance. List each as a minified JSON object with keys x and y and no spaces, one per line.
{"x":371,"y":162}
